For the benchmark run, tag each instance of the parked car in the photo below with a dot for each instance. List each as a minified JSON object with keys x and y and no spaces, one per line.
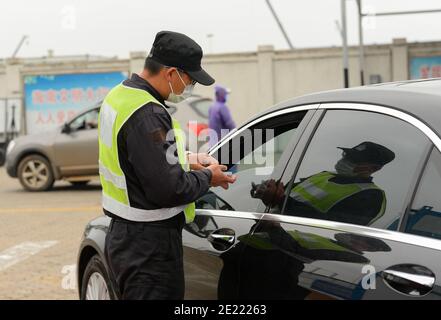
{"x":238,"y":247}
{"x":70,"y":152}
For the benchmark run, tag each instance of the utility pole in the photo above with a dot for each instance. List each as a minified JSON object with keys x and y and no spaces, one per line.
{"x":344,"y":32}
{"x":285,"y":35}
{"x":20,"y":44}
{"x":210,"y":42}
{"x":360,"y":41}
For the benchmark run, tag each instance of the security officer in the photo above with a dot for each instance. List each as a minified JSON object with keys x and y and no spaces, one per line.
{"x":347,"y":195}
{"x":148,"y":187}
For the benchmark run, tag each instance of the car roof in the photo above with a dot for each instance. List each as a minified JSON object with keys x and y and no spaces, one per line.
{"x":419,"y":98}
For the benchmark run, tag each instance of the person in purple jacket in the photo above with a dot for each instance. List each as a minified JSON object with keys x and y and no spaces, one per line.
{"x":219,"y":116}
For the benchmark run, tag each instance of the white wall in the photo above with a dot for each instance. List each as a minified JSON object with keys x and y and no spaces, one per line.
{"x":258,"y":79}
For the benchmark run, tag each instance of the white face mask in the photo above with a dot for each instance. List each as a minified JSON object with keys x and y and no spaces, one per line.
{"x":176,"y":98}
{"x":345,"y":167}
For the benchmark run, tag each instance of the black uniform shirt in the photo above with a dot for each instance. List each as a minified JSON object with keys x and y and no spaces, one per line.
{"x":143,"y":141}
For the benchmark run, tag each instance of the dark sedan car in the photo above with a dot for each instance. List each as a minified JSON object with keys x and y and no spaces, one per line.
{"x":282,"y":232}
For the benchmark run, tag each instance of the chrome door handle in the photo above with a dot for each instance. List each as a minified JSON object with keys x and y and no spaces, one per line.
{"x":222,"y":239}
{"x":412,"y":280}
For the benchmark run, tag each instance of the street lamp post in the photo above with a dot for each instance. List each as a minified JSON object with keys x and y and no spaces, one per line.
{"x":210,"y":42}
{"x":361,"y":15}
{"x":279,"y":23}
{"x":344,"y":32}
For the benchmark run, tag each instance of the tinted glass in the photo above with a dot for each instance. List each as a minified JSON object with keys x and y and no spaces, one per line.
{"x":425,"y":216}
{"x":358,"y":169}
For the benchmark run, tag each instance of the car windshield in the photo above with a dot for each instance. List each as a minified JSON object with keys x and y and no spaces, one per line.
{"x":88,"y":120}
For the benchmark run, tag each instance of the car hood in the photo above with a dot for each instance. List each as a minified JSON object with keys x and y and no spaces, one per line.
{"x":44,"y":138}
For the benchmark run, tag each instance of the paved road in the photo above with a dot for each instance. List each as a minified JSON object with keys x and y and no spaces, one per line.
{"x":39,"y":238}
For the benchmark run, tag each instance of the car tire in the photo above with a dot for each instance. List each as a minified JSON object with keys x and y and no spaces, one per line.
{"x":95,"y":284}
{"x":35,"y":173}
{"x":79,"y":183}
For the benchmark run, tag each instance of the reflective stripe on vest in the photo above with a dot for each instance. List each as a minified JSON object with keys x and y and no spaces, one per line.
{"x":321,"y":194}
{"x":118,"y":106}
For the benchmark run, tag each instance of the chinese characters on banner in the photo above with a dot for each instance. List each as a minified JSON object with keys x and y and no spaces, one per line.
{"x":425,"y":67}
{"x":65,"y":97}
{"x":51,"y":101}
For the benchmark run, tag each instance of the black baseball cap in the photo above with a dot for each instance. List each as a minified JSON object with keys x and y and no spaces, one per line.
{"x":175,"y":49}
{"x":369,"y":152}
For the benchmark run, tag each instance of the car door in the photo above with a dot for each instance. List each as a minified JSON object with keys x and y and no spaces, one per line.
{"x":212,"y":248}
{"x":76,"y":150}
{"x":300,"y":250}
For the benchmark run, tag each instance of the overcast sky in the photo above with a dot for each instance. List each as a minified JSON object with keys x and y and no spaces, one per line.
{"x":116,"y":27}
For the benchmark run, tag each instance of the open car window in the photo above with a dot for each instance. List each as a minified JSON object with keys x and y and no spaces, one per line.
{"x":251,"y":155}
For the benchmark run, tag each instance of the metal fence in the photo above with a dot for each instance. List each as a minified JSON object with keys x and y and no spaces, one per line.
{"x":9,"y":119}
{"x":9,"y":124}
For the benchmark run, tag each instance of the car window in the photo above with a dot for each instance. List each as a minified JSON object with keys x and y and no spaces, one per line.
{"x":358,"y":168}
{"x":252,"y":155}
{"x":202,"y":106}
{"x":86,"y":121}
{"x":424,"y":217}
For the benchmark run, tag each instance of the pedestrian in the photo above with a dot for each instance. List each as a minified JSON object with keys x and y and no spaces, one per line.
{"x":220,"y":120}
{"x":149,"y":182}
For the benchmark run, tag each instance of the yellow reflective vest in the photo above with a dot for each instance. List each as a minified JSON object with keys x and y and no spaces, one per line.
{"x":117,"y":108}
{"x":322,"y":194}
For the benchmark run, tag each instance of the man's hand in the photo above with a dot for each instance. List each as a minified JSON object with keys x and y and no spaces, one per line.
{"x":200,"y":161}
{"x":270,"y":192}
{"x":219,"y":178}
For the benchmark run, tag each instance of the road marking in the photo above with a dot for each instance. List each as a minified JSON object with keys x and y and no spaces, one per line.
{"x":60,"y":209}
{"x":21,"y":252}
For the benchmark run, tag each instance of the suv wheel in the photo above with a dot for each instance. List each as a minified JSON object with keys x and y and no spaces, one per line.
{"x":35,"y":173}
{"x":95,"y":284}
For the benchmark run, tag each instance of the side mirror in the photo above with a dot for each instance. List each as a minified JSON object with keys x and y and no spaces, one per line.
{"x":66,"y":129}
